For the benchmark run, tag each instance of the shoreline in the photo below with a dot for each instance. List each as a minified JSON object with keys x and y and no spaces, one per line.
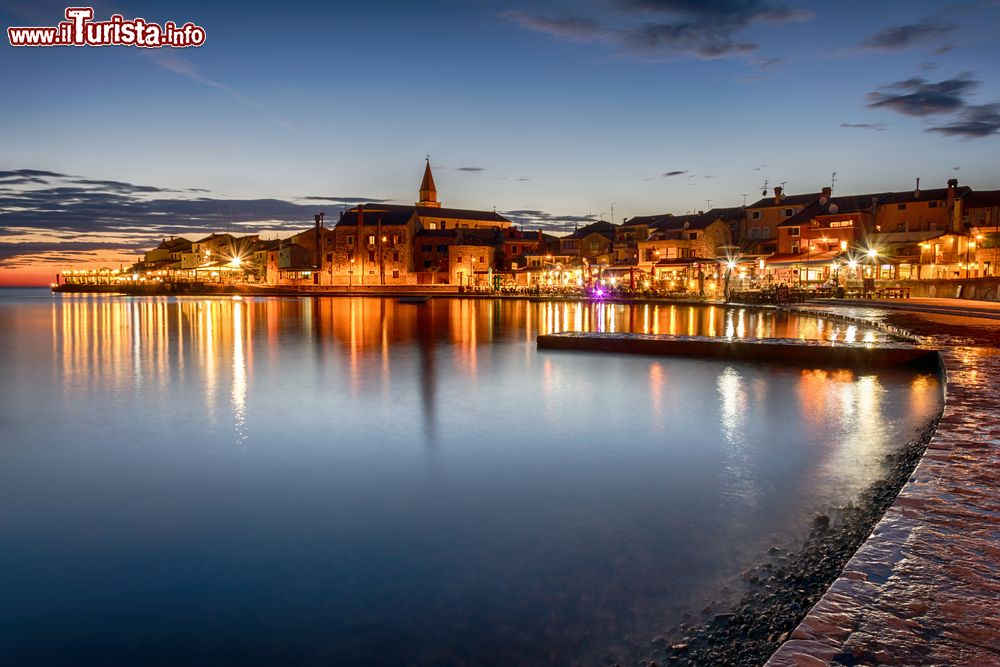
{"x":782,"y":590}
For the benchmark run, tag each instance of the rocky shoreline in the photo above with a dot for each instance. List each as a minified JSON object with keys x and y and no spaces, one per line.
{"x":783,"y":590}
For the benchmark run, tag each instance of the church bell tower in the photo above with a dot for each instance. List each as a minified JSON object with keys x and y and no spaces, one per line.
{"x":428,"y":191}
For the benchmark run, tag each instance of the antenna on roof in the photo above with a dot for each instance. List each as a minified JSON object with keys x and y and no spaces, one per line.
{"x":745,"y":195}
{"x":764,"y":189}
{"x":613,"y":212}
{"x":708,"y":204}
{"x":833,"y":180}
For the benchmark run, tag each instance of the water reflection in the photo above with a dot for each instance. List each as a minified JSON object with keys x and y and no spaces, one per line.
{"x":224,"y":337}
{"x":376,"y":482}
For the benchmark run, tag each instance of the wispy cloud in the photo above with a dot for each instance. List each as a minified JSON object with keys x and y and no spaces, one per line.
{"x":897,"y":38}
{"x":671,"y":174}
{"x":975,"y":122}
{"x":173,"y":61}
{"x":650,"y":28}
{"x":878,"y":127}
{"x":920,"y":97}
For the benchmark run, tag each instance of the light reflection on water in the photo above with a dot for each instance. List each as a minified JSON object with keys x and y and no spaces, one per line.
{"x":358,"y":481}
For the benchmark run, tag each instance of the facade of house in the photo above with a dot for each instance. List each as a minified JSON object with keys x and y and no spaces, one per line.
{"x":762,"y":218}
{"x":681,"y":243}
{"x":593,"y":243}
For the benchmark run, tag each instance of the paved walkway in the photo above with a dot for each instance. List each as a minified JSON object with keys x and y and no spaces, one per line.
{"x":958,"y":307}
{"x":924,"y":588}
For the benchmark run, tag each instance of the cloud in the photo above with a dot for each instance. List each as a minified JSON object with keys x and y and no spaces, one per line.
{"x":897,"y":38}
{"x":544,"y":220}
{"x":701,"y":29}
{"x":878,"y":127}
{"x":570,"y":28}
{"x":976,"y":122}
{"x":473,"y":169}
{"x":919,"y":97}
{"x":767,"y":63}
{"x":71,"y":214}
{"x":669,"y":174}
{"x":170,"y":60}
{"x":341,"y":199}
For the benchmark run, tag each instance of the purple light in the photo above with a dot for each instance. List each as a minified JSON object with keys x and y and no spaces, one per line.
{"x":599,"y":293}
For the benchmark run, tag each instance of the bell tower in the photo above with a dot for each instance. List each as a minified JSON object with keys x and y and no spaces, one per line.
{"x":428,"y":191}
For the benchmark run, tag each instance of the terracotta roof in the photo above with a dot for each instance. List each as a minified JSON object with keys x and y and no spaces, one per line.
{"x":982,"y":199}
{"x":844,"y":205}
{"x":925,"y":195}
{"x":389,"y":214}
{"x":786,"y":200}
{"x":602,"y":227}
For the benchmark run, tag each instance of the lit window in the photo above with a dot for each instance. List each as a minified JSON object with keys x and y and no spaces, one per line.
{"x":371,"y":239}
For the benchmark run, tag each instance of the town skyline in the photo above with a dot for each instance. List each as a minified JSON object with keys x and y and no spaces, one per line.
{"x":551,"y":115}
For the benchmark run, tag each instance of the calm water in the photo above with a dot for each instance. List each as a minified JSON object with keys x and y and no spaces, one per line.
{"x":334,"y":481}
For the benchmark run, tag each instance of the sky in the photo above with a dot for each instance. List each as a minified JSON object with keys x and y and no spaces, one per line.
{"x":554,"y":112}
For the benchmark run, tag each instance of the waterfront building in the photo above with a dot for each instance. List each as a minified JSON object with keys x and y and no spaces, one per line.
{"x":983,"y":211}
{"x":392,"y":244}
{"x":591,"y":244}
{"x":763,"y":217}
{"x":680,"y":245}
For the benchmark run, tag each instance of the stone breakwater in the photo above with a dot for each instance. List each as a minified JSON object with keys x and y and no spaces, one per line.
{"x":809,"y":353}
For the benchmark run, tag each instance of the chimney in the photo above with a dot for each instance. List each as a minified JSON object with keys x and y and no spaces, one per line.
{"x":777,"y":195}
{"x":317,"y":258}
{"x":916,"y":192}
{"x":824,"y":198}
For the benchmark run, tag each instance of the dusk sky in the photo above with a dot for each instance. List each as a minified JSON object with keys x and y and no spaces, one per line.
{"x":548,"y":111}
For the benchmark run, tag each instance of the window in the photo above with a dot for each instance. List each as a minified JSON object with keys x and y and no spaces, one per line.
{"x":932,"y":204}
{"x":442,"y":248}
{"x":395,"y":274}
{"x":432,"y":225}
{"x":395,"y":256}
{"x":594,"y":246}
{"x":901,"y":207}
{"x":371,"y":239}
{"x":793,"y":231}
{"x":788,"y":212}
{"x":795,"y":247}
{"x":481,"y":259}
{"x":842,"y":223}
{"x":691,"y":236}
{"x":427,"y":263}
{"x":329,"y":258}
{"x":329,"y":240}
{"x":426,"y":247}
{"x":513,"y":250}
{"x":350,"y":240}
{"x":395,"y":239}
{"x":755,"y":215}
{"x":459,"y":259}
{"x":371,"y":255}
{"x":755,"y":233}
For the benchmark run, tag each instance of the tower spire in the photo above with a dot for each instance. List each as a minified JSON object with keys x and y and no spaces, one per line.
{"x":428,"y":191}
